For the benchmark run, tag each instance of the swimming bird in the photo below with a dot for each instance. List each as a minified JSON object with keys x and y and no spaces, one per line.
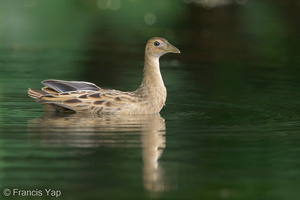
{"x":82,"y":97}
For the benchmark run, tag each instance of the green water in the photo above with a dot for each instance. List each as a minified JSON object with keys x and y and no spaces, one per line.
{"x":230,"y":126}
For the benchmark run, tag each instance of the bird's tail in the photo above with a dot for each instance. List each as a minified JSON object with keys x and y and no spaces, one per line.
{"x":33,"y":93}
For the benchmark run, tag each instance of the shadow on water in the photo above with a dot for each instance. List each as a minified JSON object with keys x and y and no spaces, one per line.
{"x":129,"y":131}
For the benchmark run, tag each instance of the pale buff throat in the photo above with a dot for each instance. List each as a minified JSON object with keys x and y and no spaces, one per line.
{"x":81,"y":97}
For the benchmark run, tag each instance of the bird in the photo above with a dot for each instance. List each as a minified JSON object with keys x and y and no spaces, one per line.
{"x":85,"y":97}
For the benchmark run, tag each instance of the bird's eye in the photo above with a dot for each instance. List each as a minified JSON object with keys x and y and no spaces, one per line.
{"x":156,"y":43}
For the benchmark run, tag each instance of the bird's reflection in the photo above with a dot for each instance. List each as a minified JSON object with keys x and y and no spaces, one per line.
{"x":145,"y":131}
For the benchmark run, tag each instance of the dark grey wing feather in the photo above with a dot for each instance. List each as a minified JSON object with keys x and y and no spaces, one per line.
{"x":67,"y":86}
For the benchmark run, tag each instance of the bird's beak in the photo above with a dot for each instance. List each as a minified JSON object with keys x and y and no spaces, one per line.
{"x":171,"y":49}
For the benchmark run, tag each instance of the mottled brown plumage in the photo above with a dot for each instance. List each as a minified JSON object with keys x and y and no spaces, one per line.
{"x":79,"y":96}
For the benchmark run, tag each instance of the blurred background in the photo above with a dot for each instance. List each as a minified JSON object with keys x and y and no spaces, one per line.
{"x":223,"y":42}
{"x":231,"y":117}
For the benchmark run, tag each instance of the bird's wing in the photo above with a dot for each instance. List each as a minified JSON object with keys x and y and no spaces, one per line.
{"x":59,"y":86}
{"x":108,"y":101}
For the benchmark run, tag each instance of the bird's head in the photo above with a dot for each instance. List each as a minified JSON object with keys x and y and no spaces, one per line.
{"x":157,"y":47}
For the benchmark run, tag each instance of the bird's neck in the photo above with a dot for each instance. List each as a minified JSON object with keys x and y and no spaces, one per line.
{"x":152,"y":80}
